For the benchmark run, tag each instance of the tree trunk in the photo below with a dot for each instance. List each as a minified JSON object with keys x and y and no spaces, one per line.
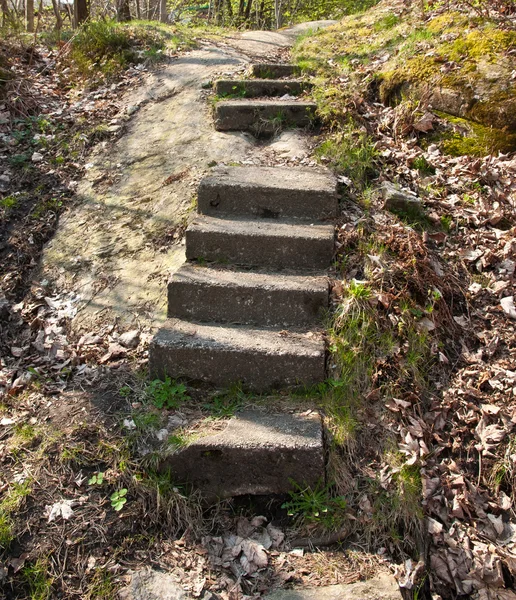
{"x":230,"y":9}
{"x":248,"y":9}
{"x":57,"y":13}
{"x":6,"y":13}
{"x":163,"y":14}
{"x":219,"y":6}
{"x":123,"y":11}
{"x":138,"y":10}
{"x":29,"y":15}
{"x":80,"y":11}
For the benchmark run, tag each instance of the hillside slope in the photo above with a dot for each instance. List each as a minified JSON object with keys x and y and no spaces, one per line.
{"x":418,"y":120}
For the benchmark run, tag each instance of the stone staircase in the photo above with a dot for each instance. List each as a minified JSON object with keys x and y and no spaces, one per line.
{"x":247,"y":307}
{"x":264,"y":118}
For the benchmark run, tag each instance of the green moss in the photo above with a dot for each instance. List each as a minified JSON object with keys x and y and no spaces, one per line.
{"x":481,"y":44}
{"x":447,"y":22}
{"x":469,"y":138}
{"x":498,"y":110}
{"x":9,"y":202}
{"x":416,"y":69}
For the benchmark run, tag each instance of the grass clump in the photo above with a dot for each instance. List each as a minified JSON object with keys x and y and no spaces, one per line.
{"x":352,"y":153}
{"x":316,"y":506}
{"x":38,"y":580}
{"x":9,"y":506}
{"x":105,"y":48}
{"x":228,"y":402}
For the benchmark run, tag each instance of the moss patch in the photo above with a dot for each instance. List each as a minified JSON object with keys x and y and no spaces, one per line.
{"x":469,"y":138}
{"x":471,"y":58}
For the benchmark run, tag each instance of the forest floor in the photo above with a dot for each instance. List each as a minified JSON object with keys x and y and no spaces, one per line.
{"x":89,"y":234}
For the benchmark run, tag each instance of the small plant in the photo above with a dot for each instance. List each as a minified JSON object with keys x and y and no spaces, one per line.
{"x":423,"y":166}
{"x":180,"y":440}
{"x":6,"y":530}
{"x":118,"y":499}
{"x":9,"y":202}
{"x":388,"y":22}
{"x":102,"y":586}
{"x":37,"y":578}
{"x":167,"y":393}
{"x":446,"y":222}
{"x":96,"y":479}
{"x":358,"y":290}
{"x":316,"y":506}
{"x":146,"y":420}
{"x":350,"y":152}
{"x":227,"y":403}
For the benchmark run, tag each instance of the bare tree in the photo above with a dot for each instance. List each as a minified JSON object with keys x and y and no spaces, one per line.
{"x":57,"y":12}
{"x":81,"y":12}
{"x":123,"y":10}
{"x":6,"y":12}
{"x":29,"y":15}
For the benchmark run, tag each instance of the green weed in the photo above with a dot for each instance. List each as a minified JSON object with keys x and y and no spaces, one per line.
{"x":96,"y":479}
{"x":316,"y":506}
{"x":358,"y":290}
{"x":351,"y":153}
{"x":38,"y":580}
{"x":181,"y":439}
{"x":228,"y":402}
{"x":118,"y":499}
{"x":52,"y":205}
{"x":6,"y":530}
{"x":167,"y":393}
{"x":9,"y":506}
{"x":102,"y":586}
{"x":446,"y":222}
{"x":9,"y":202}
{"x":387,"y":22}
{"x":146,"y":420}
{"x":423,"y":166}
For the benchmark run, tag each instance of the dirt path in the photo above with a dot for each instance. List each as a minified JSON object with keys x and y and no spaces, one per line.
{"x":115,"y":248}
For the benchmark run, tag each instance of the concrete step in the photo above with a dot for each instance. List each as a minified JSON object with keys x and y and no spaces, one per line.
{"x":269,"y":192}
{"x":207,"y":294}
{"x":261,"y":359}
{"x":381,"y":587}
{"x":274,"y":70}
{"x":263,"y":117}
{"x":261,"y":242}
{"x":255,"y":88}
{"x":256,"y":453}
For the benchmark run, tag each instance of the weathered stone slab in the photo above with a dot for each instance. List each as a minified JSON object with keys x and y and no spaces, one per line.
{"x":149,"y":584}
{"x":263,"y":117}
{"x":274,"y":70}
{"x":206,"y":294}
{"x":257,"y":453}
{"x":262,"y":359}
{"x":382,"y":587}
{"x":270,"y":192}
{"x":255,"y":88}
{"x":263,"y":242}
{"x":399,"y":200}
